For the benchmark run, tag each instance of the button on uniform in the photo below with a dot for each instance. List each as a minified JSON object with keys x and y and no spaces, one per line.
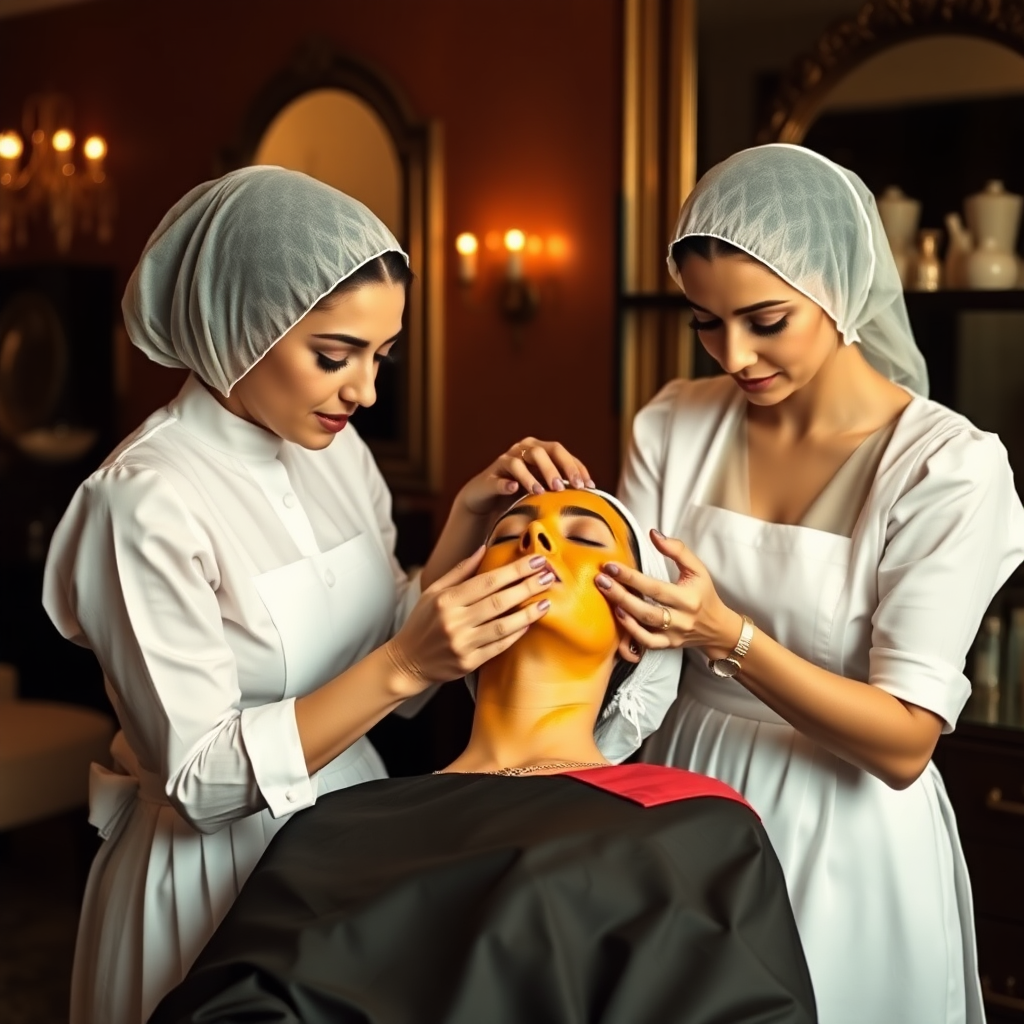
{"x":289,"y":500}
{"x":290,"y":796}
{"x":329,"y":578}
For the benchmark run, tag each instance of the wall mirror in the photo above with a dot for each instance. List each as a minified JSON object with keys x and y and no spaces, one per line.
{"x":336,"y":120}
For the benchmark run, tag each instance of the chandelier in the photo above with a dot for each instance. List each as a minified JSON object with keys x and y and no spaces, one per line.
{"x":50,"y":185}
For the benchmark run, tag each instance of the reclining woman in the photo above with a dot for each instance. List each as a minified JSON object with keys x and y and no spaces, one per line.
{"x":530,"y":879}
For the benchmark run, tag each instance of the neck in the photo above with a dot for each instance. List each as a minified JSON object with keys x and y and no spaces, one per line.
{"x":536,"y":703}
{"x":846,"y":394}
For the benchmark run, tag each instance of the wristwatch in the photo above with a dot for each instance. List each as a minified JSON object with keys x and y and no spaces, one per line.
{"x":728,"y":666}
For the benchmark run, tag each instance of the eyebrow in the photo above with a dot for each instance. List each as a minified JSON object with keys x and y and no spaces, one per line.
{"x":743,"y":309}
{"x":348,"y":339}
{"x":532,"y":513}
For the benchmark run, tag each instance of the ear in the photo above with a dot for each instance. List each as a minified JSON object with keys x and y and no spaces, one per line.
{"x":629,"y":649}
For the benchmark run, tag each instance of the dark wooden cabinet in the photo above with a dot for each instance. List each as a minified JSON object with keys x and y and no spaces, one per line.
{"x":983,"y":768}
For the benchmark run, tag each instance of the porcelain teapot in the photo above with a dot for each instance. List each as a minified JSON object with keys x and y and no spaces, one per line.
{"x":900,"y":215}
{"x":993,"y":217}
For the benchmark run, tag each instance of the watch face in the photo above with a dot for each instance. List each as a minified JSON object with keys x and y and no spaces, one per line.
{"x":726,"y":667}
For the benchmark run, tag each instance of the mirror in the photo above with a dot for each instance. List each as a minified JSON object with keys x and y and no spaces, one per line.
{"x":336,"y":120}
{"x":333,"y":135}
{"x":902,"y":118}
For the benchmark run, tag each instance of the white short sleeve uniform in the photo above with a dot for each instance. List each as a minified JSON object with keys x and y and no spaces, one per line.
{"x":876,"y":876}
{"x":217,"y":573}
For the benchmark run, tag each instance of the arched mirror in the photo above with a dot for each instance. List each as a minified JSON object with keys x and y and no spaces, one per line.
{"x":334,"y":119}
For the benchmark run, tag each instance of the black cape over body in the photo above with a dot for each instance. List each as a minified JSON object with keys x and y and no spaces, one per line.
{"x":476,"y":899}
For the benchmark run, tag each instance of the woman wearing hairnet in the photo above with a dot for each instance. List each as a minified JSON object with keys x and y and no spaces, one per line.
{"x":231,"y":565}
{"x":835,"y":538}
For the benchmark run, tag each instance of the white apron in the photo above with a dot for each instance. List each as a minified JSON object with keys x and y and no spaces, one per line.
{"x":876,"y":877}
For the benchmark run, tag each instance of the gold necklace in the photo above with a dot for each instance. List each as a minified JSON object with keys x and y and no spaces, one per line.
{"x":542,"y":767}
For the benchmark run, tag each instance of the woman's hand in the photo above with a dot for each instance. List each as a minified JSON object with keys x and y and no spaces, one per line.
{"x":688,"y":613}
{"x":534,"y":466}
{"x":464,"y":620}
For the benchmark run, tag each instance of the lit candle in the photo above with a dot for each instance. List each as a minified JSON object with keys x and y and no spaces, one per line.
{"x":94,"y":150}
{"x":466,"y":245}
{"x":515,"y":240}
{"x":63,"y":140}
{"x":11,"y":148}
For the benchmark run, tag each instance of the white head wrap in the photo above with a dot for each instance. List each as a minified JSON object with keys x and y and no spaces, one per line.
{"x":639,"y":705}
{"x":815,"y":225}
{"x":239,"y":261}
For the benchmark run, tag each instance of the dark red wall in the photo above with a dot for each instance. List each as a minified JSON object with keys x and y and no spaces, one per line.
{"x":528,"y":92}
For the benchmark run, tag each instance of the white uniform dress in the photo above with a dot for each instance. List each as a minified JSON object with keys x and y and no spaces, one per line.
{"x":217,"y":573}
{"x":876,"y":876}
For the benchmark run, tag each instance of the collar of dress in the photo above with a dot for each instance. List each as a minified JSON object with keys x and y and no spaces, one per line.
{"x":204,"y":417}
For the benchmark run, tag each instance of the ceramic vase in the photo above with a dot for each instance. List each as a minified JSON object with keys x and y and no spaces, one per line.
{"x":900,"y":215}
{"x":993,"y":216}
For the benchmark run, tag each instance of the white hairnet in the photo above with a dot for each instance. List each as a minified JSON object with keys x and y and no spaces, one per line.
{"x":239,"y":261}
{"x":815,"y":225}
{"x":639,"y":705}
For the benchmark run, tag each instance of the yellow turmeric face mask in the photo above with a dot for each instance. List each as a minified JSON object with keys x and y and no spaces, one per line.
{"x":578,"y":532}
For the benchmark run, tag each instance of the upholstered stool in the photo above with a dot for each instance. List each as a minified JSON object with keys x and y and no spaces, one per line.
{"x":45,"y":752}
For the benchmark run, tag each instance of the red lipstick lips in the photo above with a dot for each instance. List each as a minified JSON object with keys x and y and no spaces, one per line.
{"x":755,"y":383}
{"x":332,"y":424}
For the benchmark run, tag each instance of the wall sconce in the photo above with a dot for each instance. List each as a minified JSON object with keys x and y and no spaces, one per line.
{"x":48,"y":186}
{"x":518,"y":296}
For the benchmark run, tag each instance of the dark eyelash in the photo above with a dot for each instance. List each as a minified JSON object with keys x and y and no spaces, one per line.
{"x":762,"y":330}
{"x":704,"y":325}
{"x":330,"y":365}
{"x":767,"y":330}
{"x":587,"y":541}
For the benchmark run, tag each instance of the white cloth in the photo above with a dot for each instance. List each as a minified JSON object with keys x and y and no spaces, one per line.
{"x":876,"y":876}
{"x":217,"y":572}
{"x":815,"y":224}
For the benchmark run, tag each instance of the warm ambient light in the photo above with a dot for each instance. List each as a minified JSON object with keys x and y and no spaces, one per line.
{"x":11,"y":146}
{"x":95,"y":148}
{"x":62,"y":140}
{"x":515,"y":240}
{"x":466,"y":246}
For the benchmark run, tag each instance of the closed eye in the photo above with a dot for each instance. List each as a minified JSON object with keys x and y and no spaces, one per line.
{"x":505,"y":539}
{"x":590,"y":543}
{"x":330,"y":365}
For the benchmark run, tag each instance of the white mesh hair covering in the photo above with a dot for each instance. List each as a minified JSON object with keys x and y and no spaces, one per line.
{"x":639,"y":705}
{"x":815,"y":225}
{"x":239,"y":261}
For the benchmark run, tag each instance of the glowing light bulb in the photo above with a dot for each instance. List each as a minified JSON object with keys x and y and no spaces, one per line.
{"x":62,"y":140}
{"x":11,"y":146}
{"x":466,"y":245}
{"x":95,"y":148}
{"x":515,"y":240}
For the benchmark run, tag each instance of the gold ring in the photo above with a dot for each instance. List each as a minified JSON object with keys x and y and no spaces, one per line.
{"x":522,"y":455}
{"x":666,"y":618}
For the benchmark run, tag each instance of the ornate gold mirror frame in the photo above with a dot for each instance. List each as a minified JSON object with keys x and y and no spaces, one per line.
{"x":410,"y":459}
{"x":659,"y":141}
{"x":879,"y":25}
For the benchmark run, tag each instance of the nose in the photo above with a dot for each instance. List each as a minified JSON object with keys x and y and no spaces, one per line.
{"x":360,"y":387}
{"x":736,"y":354}
{"x":536,"y":539}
